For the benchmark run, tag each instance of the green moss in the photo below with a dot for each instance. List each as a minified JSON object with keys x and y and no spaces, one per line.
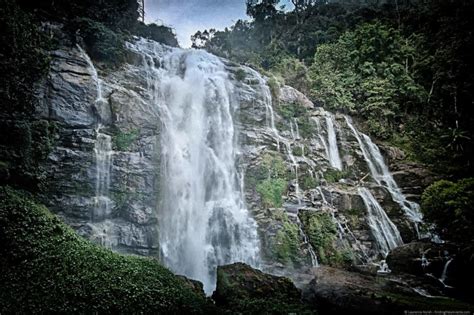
{"x":45,"y":267}
{"x":122,"y":141}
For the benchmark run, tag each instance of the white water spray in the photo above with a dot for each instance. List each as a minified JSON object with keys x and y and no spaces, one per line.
{"x":384,"y":231}
{"x":203,"y":218}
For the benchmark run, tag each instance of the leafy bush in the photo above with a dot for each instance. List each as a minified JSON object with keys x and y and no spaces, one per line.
{"x":159,"y":33}
{"x":449,"y":205}
{"x":333,"y":175}
{"x":102,"y":43}
{"x":240,"y":74}
{"x":47,"y":268}
{"x":271,"y":190}
{"x":287,"y":243}
{"x":290,"y":111}
{"x":322,"y":234}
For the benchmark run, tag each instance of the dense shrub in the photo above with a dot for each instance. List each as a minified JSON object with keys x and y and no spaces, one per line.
{"x":450,"y":206}
{"x":159,"y":33}
{"x":47,"y":268}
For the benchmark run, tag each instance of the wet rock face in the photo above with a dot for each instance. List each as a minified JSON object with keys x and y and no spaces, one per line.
{"x":69,"y":98}
{"x":335,"y":291}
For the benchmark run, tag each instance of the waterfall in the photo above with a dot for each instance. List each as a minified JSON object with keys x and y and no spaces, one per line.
{"x":103,"y":161}
{"x":103,"y":153}
{"x":333,"y":151}
{"x":384,"y":231}
{"x":381,"y":174}
{"x":203,"y":220}
{"x":330,"y":146}
{"x":445,"y":272}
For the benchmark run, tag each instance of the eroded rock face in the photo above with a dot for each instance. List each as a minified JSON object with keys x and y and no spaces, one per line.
{"x":70,"y":99}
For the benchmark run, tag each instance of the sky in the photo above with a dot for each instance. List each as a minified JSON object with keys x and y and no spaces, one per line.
{"x":189,"y":16}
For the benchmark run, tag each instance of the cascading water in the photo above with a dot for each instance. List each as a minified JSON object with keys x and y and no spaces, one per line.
{"x":330,"y":146}
{"x":103,"y":160}
{"x":333,"y":151}
{"x":381,"y":174}
{"x":384,"y":231}
{"x":203,"y":218}
{"x":103,"y":153}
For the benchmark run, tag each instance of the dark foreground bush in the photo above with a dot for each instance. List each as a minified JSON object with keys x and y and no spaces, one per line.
{"x":45,"y":267}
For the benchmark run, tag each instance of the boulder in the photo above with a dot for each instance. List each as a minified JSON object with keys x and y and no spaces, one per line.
{"x":335,"y":291}
{"x":242,"y":289}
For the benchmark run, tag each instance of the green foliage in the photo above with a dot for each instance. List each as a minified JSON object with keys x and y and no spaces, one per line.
{"x":293,"y":71}
{"x":24,"y":60}
{"x":240,"y":74}
{"x":271,"y":191}
{"x":274,"y":85}
{"x":333,"y":175}
{"x":290,"y":111}
{"x":322,"y":234}
{"x":46,"y":267}
{"x":115,"y":14}
{"x":271,"y":179}
{"x":306,"y":126}
{"x":369,"y":71}
{"x":26,"y":145}
{"x":102,"y":43}
{"x":308,"y":182}
{"x":287,"y":243}
{"x":449,"y":205}
{"x":159,"y":33}
{"x":122,"y":141}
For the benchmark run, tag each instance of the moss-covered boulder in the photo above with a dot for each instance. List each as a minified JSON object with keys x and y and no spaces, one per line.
{"x":242,"y":289}
{"x":47,"y":268}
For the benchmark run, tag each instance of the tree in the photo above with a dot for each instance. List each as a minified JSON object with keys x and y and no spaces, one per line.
{"x":449,"y":205}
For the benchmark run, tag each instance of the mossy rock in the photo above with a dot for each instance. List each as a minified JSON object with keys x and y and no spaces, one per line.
{"x":242,"y":289}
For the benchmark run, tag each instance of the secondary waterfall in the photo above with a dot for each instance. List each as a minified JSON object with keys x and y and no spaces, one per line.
{"x":381,"y":174}
{"x":103,"y":153}
{"x":333,"y":151}
{"x":103,"y":160}
{"x":204,"y":221}
{"x":384,"y":231}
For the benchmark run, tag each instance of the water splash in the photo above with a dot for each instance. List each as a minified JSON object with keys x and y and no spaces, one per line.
{"x":203,"y":218}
